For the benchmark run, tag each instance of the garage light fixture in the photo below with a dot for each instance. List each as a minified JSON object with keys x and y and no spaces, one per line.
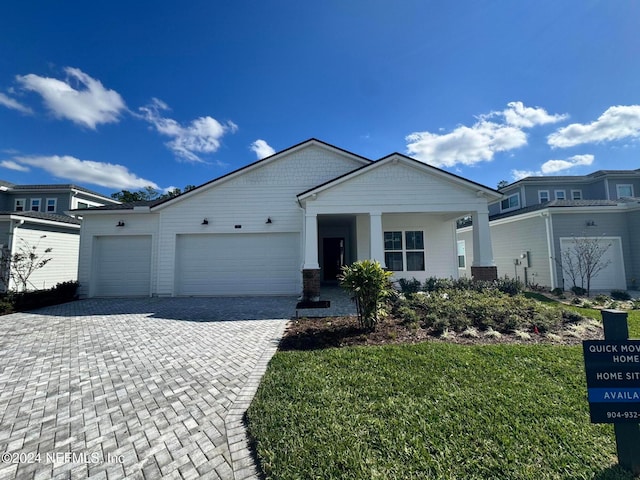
{"x":205,"y":222}
{"x":120,"y":224}
{"x":269,"y":220}
{"x":591,"y":223}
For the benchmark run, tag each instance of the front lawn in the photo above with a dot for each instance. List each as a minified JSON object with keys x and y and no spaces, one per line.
{"x":431,"y":410}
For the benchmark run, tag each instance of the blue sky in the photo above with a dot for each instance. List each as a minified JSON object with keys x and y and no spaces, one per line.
{"x":119,"y":95}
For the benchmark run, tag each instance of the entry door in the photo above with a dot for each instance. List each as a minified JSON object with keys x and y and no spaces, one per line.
{"x":333,"y":250}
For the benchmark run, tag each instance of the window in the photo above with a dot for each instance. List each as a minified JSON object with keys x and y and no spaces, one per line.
{"x":395,"y":253}
{"x":19,"y":206}
{"x":512,"y":201}
{"x":576,"y":194}
{"x":35,"y":204}
{"x":560,"y":195}
{"x":543,"y":196}
{"x":624,"y":191}
{"x":51,"y":204}
{"x":462,"y":259}
{"x":83,"y":205}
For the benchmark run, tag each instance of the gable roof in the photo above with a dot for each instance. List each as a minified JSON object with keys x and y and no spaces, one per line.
{"x":49,"y":217}
{"x":12,"y":187}
{"x":410,"y":161}
{"x":591,"y":177}
{"x":565,"y":204}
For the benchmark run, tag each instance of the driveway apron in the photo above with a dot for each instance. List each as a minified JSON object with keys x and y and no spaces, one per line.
{"x":134,"y":388}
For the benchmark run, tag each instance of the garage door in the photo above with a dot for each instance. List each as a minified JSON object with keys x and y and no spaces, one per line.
{"x":238,"y":264}
{"x":612,"y":276}
{"x":122,"y":266}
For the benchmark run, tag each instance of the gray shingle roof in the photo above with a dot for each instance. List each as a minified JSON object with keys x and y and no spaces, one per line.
{"x":54,"y":217}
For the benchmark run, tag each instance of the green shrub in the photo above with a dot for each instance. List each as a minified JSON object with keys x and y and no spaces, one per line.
{"x":620,"y":295}
{"x":557,"y":292}
{"x":409,"y":286}
{"x":61,"y":293}
{"x":579,"y":290}
{"x":369,"y":285}
{"x":601,"y":299}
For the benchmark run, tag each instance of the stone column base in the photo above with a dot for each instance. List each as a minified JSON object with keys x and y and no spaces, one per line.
{"x":311,"y":285}
{"x":484,"y":273}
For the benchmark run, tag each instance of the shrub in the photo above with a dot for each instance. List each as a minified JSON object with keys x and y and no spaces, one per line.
{"x":620,"y":295}
{"x":409,"y":286}
{"x":579,"y":290}
{"x":601,"y":299}
{"x":61,"y":293}
{"x":557,"y":292}
{"x":369,"y":285}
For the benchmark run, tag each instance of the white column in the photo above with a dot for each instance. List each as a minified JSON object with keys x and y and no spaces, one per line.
{"x":482,"y":251}
{"x":311,"y":241}
{"x":376,"y":240}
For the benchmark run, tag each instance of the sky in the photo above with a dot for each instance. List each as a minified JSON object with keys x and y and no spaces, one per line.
{"x":123,"y":95}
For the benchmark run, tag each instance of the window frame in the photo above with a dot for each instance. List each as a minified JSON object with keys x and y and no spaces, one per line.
{"x":404,"y":250}
{"x":462,"y":256}
{"x":625,"y":185}
{"x":540,"y":192}
{"x":31,"y":205}
{"x":563,"y":192}
{"x":573,"y":194}
{"x":510,"y":206}
{"x":15,"y":204}
{"x":55,"y":205}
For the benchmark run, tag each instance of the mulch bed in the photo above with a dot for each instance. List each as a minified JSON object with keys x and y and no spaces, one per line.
{"x":327,"y":332}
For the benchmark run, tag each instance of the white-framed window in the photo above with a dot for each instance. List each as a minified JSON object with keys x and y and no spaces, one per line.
{"x":462,"y":258}
{"x":52,"y":204}
{"x":36,"y":204}
{"x":576,"y":194}
{"x":404,"y":250}
{"x":19,"y":205}
{"x":83,"y":205}
{"x":511,"y":202}
{"x":560,"y":195}
{"x":543,"y":196}
{"x":624,"y":190}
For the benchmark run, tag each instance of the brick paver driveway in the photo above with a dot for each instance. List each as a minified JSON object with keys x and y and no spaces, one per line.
{"x":135,"y":388}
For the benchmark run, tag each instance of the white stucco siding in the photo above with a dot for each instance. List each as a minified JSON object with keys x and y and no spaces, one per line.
{"x":248,"y":200}
{"x":63,"y":266}
{"x":439,"y":244}
{"x":99,"y":225}
{"x":397,"y":187}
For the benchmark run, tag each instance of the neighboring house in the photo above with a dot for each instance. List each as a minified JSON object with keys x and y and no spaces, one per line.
{"x":283,"y":225}
{"x":539,"y":218}
{"x":34,"y":216}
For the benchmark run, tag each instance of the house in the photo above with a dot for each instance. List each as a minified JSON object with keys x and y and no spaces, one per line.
{"x":285,"y":224}
{"x":34,"y":216}
{"x":539,"y":218}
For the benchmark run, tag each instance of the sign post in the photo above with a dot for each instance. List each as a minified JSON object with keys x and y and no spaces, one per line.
{"x":613,"y":384}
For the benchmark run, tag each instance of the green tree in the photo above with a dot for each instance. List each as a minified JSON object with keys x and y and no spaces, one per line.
{"x":369,"y":286}
{"x":21,"y":264}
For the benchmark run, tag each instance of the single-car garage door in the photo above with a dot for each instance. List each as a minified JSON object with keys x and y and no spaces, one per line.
{"x":238,"y":264}
{"x":612,"y":277}
{"x":122,"y":266}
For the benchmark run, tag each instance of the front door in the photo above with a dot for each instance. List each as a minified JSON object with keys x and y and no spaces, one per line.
{"x":333,"y":250}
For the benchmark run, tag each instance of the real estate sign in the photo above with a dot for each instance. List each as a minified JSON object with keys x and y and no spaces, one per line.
{"x":613,"y":380}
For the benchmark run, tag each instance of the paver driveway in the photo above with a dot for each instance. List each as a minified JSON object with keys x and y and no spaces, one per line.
{"x":135,"y":388}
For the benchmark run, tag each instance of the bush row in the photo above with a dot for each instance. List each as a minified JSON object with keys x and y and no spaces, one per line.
{"x":22,"y":301}
{"x":457,"y":309}
{"x":433,"y":284}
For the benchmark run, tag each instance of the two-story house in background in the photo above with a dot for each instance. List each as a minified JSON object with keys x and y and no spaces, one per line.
{"x":541,"y":217}
{"x":34,"y":216}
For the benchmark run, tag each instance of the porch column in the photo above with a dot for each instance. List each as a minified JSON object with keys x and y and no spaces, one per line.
{"x":311,"y":268}
{"x":483,"y":267}
{"x":376,"y":241}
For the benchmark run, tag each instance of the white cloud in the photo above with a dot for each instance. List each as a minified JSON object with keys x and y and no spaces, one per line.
{"x":202,"y":135}
{"x":554,"y":166}
{"x":89,"y":105}
{"x":615,"y":123}
{"x":465,"y":145}
{"x":13,"y":104}
{"x":518,"y":115}
{"x":86,"y":171}
{"x":11,"y":165}
{"x":262,"y":149}
{"x":520,"y":174}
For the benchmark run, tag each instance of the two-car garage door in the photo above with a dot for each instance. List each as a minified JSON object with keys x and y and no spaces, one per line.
{"x":237,"y":264}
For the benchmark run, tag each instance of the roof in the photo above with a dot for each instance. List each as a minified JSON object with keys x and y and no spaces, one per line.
{"x":565,"y":203}
{"x":52,"y":217}
{"x":52,"y":186}
{"x":575,"y":178}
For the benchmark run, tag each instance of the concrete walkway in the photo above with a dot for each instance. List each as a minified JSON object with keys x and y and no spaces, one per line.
{"x":134,"y":388}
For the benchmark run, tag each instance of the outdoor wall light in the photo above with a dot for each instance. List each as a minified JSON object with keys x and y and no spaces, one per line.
{"x":120,"y":224}
{"x":205,"y":222}
{"x":591,"y":223}
{"x":269,"y":220}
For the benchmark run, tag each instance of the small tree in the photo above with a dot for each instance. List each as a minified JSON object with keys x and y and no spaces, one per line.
{"x":21,"y":265}
{"x":369,"y":285}
{"x":584,"y":261}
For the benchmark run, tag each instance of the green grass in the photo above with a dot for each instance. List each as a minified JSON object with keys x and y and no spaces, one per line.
{"x":432,"y":410}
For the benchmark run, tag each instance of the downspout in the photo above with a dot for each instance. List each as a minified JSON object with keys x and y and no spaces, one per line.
{"x":552,"y":264}
{"x":13,"y":226}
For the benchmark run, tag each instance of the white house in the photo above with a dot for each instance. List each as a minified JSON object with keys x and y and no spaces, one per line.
{"x":283,"y":225}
